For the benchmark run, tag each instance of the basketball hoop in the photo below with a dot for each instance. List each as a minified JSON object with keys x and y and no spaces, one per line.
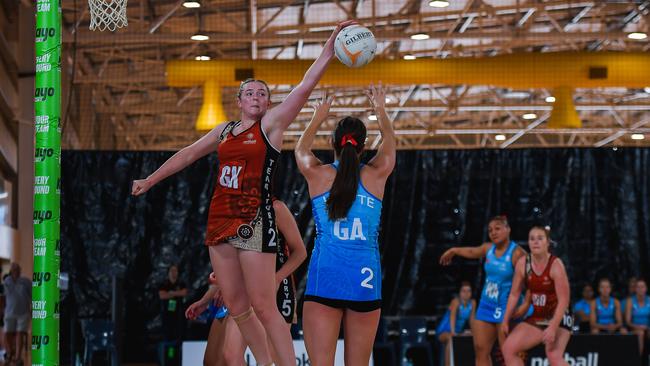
{"x":107,"y":14}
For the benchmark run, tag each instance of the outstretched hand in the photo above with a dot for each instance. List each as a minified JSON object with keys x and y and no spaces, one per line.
{"x":322,"y":108}
{"x":140,"y":186}
{"x":343,"y":24}
{"x":330,"y":42}
{"x":194,"y":310}
{"x":377,"y":96}
{"x":445,"y":259}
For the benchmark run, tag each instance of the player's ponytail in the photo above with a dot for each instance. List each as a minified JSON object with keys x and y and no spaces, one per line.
{"x":348,"y":142}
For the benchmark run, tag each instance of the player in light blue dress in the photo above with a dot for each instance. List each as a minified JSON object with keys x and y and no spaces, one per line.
{"x":344,"y":275}
{"x":500,"y":256}
{"x":637,"y":313}
{"x":606,"y":311}
{"x":457,"y":317}
{"x":582,"y":308}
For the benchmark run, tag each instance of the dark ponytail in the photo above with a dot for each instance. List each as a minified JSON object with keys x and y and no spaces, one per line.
{"x":348,"y":142}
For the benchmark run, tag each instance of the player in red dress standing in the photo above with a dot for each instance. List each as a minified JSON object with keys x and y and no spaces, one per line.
{"x":545,"y":278}
{"x":241,"y":233}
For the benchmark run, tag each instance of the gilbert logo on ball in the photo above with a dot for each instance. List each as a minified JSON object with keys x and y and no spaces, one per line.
{"x":355,"y":46}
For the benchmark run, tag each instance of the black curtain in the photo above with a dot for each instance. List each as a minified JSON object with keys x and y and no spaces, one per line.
{"x":596,"y":201}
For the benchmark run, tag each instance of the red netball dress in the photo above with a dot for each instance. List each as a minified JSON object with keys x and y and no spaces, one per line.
{"x":543,"y":296}
{"x":241,"y":210}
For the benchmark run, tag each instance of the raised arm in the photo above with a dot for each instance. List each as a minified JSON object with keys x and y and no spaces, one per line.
{"x":384,"y":161}
{"x":515,"y":292}
{"x":277,"y":119}
{"x":184,"y":157}
{"x":305,"y":158}
{"x":289,"y":229}
{"x":465,"y":252}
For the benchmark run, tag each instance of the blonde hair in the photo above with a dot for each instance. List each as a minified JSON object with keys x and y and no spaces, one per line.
{"x":251,"y":80}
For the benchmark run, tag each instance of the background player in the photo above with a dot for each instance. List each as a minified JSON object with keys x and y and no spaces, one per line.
{"x":544,"y":275}
{"x":637,"y":314}
{"x":606,"y":311}
{"x":460,"y":313}
{"x":582,"y":308}
{"x":501,"y":255}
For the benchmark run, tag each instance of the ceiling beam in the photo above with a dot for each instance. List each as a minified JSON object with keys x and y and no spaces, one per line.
{"x":160,"y":21}
{"x":634,"y":128}
{"x":421,"y":107}
{"x":88,"y":38}
{"x":528,"y":128}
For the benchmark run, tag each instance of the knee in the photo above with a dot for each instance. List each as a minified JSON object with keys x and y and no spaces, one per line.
{"x":212,"y":360}
{"x":481,"y":350}
{"x":236,"y":305}
{"x":265,"y":314}
{"x":264,"y":309}
{"x":509,"y":350}
{"x":231,"y":356}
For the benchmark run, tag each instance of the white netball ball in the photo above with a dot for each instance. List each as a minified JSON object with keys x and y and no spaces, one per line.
{"x":355,"y":46}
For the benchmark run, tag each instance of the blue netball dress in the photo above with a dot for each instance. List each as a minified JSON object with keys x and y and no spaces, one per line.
{"x":463,"y":314}
{"x":641,"y":314}
{"x":498,"y":281}
{"x":605,"y":314}
{"x":344,"y":263}
{"x":582,"y":305}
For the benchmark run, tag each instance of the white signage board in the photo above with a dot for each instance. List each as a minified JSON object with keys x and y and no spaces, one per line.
{"x":192,"y":354}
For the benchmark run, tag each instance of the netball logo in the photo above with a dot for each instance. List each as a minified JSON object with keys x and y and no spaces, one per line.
{"x":251,"y":139}
{"x":245,"y":231}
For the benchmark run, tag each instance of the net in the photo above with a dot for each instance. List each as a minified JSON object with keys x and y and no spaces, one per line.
{"x":107,"y":14}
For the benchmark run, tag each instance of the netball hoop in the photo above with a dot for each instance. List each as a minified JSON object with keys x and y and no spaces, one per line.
{"x":107,"y":14}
